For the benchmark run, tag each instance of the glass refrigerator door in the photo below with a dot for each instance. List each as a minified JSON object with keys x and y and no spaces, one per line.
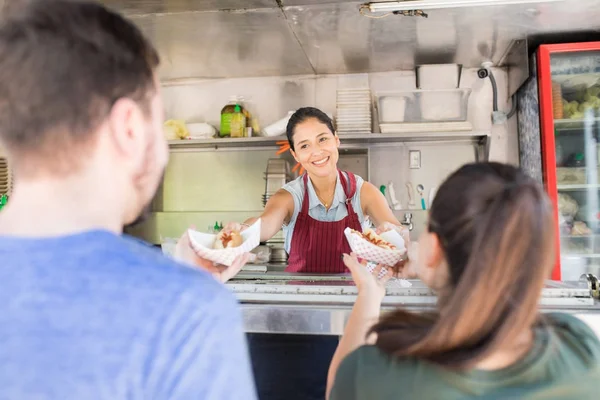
{"x":574,"y":112}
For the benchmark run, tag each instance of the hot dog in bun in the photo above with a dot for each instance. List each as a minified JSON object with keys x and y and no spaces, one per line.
{"x":228,"y":240}
{"x":374,"y":238}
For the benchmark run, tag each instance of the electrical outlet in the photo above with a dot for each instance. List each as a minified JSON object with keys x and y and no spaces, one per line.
{"x":414,"y":159}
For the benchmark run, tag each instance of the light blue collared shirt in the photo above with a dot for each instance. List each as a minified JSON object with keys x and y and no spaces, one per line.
{"x":317,"y":210}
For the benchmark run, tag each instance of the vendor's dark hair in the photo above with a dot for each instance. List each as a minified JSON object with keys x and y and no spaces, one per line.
{"x":495,"y":226}
{"x":304,"y":114}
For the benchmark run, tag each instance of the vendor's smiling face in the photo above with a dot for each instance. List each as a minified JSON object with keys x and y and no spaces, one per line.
{"x":316,"y":147}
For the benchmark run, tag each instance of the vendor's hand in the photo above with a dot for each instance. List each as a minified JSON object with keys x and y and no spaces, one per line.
{"x":402,"y":230}
{"x":235,"y":226}
{"x":405,"y":269}
{"x":186,"y":254}
{"x":370,"y":283}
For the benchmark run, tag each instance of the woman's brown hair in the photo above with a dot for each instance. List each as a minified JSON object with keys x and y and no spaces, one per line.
{"x":495,"y":228}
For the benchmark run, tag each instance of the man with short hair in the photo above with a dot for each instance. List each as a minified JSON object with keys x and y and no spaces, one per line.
{"x":86,"y":313}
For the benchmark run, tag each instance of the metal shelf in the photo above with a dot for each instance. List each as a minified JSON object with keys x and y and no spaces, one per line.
{"x":582,"y":255}
{"x":582,"y":186}
{"x":347,"y":140}
{"x":592,"y":236}
{"x":572,"y":124}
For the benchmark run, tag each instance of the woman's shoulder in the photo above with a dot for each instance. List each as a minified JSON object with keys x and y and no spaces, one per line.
{"x":370,"y":360}
{"x":369,"y":373}
{"x":295,"y":187}
{"x":575,"y":335}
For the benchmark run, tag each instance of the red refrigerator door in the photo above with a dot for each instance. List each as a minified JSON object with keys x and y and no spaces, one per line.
{"x":569,"y":86}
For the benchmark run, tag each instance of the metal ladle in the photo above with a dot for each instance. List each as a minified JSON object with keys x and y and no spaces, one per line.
{"x":420,"y":190}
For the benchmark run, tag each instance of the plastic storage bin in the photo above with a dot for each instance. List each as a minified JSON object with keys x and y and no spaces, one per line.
{"x":423,"y":106}
{"x":443,"y":105}
{"x":391,"y":107}
{"x":438,"y":76}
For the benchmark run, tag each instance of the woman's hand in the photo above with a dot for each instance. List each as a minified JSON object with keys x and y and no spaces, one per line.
{"x":186,"y":254}
{"x":368,"y":283}
{"x":407,"y":267}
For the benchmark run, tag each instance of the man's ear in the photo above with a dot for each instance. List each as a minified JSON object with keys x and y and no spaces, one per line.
{"x":128,"y":129}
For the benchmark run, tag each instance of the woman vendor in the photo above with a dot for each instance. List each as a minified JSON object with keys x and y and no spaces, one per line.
{"x":314,"y":210}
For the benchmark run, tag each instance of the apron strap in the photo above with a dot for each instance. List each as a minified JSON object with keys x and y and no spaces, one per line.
{"x":306,"y":199}
{"x":348,"y":191}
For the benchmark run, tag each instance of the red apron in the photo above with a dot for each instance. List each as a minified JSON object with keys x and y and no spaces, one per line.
{"x":317,"y":246}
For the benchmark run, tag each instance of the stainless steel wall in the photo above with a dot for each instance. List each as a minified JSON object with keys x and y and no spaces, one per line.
{"x":203,"y":187}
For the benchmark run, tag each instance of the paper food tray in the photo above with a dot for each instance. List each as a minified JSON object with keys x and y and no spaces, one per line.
{"x":393,"y":282}
{"x":370,"y":252}
{"x":202,"y":243}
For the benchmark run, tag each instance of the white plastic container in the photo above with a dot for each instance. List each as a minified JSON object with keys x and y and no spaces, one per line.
{"x":201,"y":130}
{"x":392,"y":107}
{"x":443,"y":105}
{"x":438,"y":76}
{"x":278,"y":128}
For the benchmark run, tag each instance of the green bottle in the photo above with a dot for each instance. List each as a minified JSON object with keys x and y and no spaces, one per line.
{"x":3,"y":201}
{"x":238,"y":122}
{"x":233,"y":119}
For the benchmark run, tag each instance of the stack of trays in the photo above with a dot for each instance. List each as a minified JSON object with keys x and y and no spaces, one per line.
{"x":277,"y":175}
{"x":278,"y":254}
{"x":354,"y":111}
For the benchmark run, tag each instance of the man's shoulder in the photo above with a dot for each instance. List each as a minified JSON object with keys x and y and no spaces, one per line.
{"x":153,"y":264}
{"x":146,"y":274}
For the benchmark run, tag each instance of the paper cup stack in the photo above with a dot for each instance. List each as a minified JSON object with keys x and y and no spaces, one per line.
{"x":557,"y":101}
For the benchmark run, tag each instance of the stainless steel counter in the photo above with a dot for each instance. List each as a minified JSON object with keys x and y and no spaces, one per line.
{"x":278,"y":302}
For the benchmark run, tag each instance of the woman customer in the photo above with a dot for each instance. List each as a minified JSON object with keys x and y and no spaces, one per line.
{"x":487,"y":252}
{"x":314,"y":210}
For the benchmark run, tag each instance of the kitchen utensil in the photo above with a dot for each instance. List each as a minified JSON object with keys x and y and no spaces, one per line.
{"x":420,"y":190}
{"x":432,"y":193}
{"x":411,"y":193}
{"x":395,"y":203}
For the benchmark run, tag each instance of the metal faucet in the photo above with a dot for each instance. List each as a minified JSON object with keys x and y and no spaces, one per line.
{"x":407,"y":221}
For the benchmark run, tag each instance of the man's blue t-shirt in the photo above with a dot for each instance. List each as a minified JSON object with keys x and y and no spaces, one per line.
{"x":101,"y":316}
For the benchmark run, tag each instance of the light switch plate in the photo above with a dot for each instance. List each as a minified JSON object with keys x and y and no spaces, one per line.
{"x":414,"y":159}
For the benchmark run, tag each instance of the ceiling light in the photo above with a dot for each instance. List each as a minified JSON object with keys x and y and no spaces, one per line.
{"x":407,"y":5}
